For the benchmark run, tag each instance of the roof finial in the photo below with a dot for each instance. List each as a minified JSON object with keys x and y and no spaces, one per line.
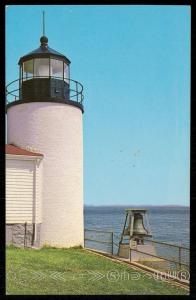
{"x":44,"y":39}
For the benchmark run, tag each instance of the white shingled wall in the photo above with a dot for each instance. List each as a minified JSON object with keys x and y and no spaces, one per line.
{"x":54,"y":129}
{"x":23,"y":202}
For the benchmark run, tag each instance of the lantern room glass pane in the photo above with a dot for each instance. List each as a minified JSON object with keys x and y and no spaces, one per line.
{"x":56,"y":68}
{"x":28,"y":69}
{"x":41,"y":67}
{"x":66,"y":73}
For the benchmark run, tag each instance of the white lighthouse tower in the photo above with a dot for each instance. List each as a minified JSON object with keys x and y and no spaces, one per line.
{"x":47,"y":118}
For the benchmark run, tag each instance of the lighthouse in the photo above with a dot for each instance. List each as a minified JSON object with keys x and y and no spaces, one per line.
{"x":45,"y":117}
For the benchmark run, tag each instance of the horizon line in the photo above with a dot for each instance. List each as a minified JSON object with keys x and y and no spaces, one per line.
{"x":164,"y":205}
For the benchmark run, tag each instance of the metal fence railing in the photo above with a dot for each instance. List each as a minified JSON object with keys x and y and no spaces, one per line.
{"x":98,"y":240}
{"x":101,"y":240}
{"x":166,"y":256}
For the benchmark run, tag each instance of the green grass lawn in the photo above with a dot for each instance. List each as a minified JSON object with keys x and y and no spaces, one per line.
{"x":76,"y":271}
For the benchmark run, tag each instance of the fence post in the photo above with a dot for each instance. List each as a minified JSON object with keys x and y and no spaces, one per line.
{"x":130,"y":254}
{"x":25,"y":225}
{"x":112,"y":242}
{"x":33,"y":235}
{"x":180,"y":257}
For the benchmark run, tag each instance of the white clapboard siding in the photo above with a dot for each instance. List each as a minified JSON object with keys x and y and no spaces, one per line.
{"x":19,"y":190}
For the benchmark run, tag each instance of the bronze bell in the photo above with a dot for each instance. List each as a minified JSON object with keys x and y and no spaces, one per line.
{"x":135,"y":230}
{"x":138,"y":226}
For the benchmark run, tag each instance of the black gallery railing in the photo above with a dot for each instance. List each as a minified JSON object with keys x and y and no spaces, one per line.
{"x":73,"y":88}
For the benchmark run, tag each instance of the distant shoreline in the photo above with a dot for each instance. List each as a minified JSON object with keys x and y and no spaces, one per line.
{"x":139,"y":206}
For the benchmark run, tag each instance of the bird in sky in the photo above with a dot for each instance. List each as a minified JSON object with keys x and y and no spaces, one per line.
{"x":137,"y":152}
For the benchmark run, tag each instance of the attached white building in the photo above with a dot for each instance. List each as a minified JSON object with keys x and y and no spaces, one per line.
{"x":23,"y":196}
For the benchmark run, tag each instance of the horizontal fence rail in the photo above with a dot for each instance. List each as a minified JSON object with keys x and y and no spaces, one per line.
{"x":98,"y":230}
{"x":165,"y":243}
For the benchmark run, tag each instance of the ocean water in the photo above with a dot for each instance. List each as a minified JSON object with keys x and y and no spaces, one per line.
{"x":167,"y":223}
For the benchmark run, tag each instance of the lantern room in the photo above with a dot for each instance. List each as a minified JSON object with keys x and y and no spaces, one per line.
{"x":44,"y":75}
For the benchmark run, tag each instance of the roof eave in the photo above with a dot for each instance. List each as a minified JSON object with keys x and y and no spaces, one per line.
{"x":43,"y":55}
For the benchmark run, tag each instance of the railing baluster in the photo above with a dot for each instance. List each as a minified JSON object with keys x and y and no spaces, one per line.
{"x":77,"y":90}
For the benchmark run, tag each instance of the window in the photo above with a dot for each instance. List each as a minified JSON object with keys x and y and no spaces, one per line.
{"x":28,"y":69}
{"x":41,"y":67}
{"x":56,"y":68}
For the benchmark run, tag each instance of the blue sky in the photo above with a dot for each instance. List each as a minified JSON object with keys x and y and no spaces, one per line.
{"x":134,"y":63}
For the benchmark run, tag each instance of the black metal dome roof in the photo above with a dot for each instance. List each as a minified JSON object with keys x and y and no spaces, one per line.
{"x":43,"y":52}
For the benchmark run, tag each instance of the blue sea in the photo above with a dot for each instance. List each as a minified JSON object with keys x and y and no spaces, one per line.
{"x":167,"y":223}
